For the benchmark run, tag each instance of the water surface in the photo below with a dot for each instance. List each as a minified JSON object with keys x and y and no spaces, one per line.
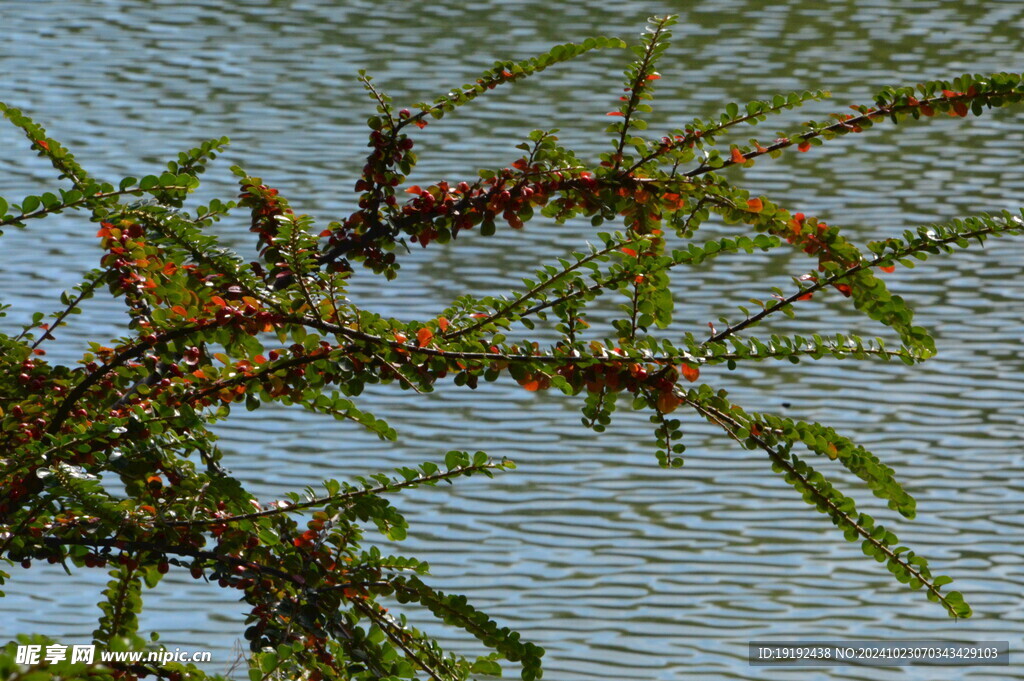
{"x":619,"y":569}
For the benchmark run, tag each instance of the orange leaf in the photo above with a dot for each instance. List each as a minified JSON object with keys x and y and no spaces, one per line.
{"x":755,"y":205}
{"x":888,"y":268}
{"x":654,"y":76}
{"x":423,"y":336}
{"x":218,"y":301}
{"x":179,"y":310}
{"x":533,"y":385}
{"x":673,"y":201}
{"x":737,"y":156}
{"x":690,"y":372}
{"x":43,"y":144}
{"x":615,"y":113}
{"x":804,"y":146}
{"x":668,"y":402}
{"x":443,"y":323}
{"x":415,"y":189}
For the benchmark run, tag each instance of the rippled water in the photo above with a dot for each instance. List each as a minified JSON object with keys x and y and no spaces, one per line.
{"x":621,"y":570}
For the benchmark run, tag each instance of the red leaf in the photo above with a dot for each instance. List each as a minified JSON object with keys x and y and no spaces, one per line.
{"x":415,"y":189}
{"x":690,"y":372}
{"x":654,"y":76}
{"x":43,"y":144}
{"x":421,"y":124}
{"x":806,"y":296}
{"x":629,"y":251}
{"x":737,"y":156}
{"x":755,"y":205}
{"x":888,"y":268}
{"x":179,"y":310}
{"x":844,"y":289}
{"x":423,"y":336}
{"x":804,"y":146}
{"x":615,"y":113}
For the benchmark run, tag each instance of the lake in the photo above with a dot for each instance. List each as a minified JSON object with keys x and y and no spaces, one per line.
{"x":621,"y":570}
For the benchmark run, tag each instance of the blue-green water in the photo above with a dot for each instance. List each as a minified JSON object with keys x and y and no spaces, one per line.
{"x":619,"y":569}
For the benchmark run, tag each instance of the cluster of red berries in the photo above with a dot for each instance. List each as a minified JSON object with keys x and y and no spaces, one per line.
{"x":265,"y":208}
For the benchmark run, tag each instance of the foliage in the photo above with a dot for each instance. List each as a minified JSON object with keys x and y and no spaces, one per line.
{"x":110,"y":464}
